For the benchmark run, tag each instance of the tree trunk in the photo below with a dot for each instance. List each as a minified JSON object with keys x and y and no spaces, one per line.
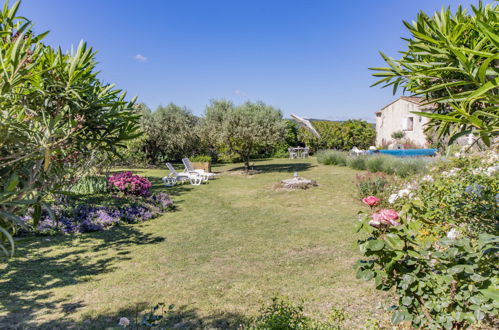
{"x":247,"y":163}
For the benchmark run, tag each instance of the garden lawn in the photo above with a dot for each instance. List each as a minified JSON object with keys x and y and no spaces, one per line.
{"x":228,"y":248}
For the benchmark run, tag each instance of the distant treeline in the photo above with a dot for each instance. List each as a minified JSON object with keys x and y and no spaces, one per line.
{"x":229,"y":133}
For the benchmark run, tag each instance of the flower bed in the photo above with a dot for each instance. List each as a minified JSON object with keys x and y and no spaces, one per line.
{"x":437,"y":245}
{"x":88,"y":212}
{"x":87,"y":218}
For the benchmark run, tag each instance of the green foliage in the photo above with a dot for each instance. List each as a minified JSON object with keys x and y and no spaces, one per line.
{"x":283,"y":314}
{"x":332,"y":157}
{"x":451,"y":59}
{"x":373,"y":184}
{"x":135,"y":151}
{"x":243,"y":130}
{"x":201,"y":159}
{"x":403,"y":167}
{"x":171,"y":133}
{"x":398,"y":135}
{"x":357,"y":163}
{"x":90,"y":185}
{"x":339,"y":135}
{"x":57,"y":120}
{"x":442,"y":260}
{"x":280,"y":150}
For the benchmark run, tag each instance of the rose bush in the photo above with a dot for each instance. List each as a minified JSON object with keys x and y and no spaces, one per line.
{"x":438,"y":247}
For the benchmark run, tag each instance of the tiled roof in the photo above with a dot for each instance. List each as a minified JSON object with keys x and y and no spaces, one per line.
{"x":413,"y":99}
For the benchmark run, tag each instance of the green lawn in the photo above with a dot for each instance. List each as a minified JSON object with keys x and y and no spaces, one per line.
{"x":229,"y":247}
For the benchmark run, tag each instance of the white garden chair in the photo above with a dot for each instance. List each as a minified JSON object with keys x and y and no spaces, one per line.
{"x":305,"y":152}
{"x":292,"y":153}
{"x":189,"y":168}
{"x":174,"y":177}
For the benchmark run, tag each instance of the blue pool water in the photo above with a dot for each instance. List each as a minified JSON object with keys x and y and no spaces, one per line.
{"x":407,"y":153}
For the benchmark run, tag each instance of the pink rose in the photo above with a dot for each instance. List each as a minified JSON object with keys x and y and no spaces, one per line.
{"x":385,"y":217}
{"x":389,"y":214}
{"x":371,"y":201}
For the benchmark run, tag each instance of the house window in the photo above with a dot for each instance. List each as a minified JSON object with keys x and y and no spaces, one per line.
{"x":410,"y":123}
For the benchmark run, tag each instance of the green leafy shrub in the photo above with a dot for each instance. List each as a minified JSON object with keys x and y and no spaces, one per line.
{"x":376,"y":163}
{"x":90,"y":185}
{"x":332,"y":157}
{"x":403,"y":167}
{"x":339,"y":135}
{"x":438,"y":251}
{"x":373,"y":184}
{"x":398,"y":135}
{"x":357,"y":163}
{"x":201,"y":159}
{"x":57,"y":119}
{"x":283,"y":314}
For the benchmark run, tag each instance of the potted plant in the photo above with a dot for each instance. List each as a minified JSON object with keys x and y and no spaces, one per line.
{"x":201,"y":162}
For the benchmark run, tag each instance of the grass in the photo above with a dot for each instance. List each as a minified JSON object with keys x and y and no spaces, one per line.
{"x":228,"y":248}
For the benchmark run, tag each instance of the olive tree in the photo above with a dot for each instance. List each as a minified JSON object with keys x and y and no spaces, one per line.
{"x":452,"y":60}
{"x":244,"y":130}
{"x":172,"y":133}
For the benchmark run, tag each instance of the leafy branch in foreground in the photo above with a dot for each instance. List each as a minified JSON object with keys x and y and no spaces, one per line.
{"x":452,"y":60}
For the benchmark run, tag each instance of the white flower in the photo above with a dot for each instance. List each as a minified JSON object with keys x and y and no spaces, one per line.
{"x":452,"y":172}
{"x":392,"y":198}
{"x":124,"y":322}
{"x":452,"y":234}
{"x":428,"y":178}
{"x":491,"y":170}
{"x":404,"y":192}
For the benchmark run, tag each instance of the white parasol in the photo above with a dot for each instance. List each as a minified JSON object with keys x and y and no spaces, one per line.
{"x":307,"y":124}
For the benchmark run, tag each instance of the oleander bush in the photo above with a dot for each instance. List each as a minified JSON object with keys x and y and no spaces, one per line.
{"x":437,"y":246}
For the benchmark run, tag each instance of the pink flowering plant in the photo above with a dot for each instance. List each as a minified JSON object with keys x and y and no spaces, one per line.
{"x":436,"y":246}
{"x":130,"y":184}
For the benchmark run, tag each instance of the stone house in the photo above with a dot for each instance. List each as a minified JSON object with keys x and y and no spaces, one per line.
{"x":397,"y":116}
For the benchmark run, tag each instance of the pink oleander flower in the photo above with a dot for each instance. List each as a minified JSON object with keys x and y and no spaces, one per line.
{"x":371,"y":201}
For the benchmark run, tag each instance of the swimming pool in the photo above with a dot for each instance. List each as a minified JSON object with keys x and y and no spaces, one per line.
{"x":407,"y":152}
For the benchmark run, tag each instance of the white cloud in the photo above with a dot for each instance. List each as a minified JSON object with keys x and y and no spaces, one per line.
{"x":140,"y":58}
{"x":239,"y":92}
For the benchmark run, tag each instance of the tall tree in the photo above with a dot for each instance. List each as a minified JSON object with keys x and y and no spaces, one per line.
{"x":245,"y":129}
{"x":171,"y":133}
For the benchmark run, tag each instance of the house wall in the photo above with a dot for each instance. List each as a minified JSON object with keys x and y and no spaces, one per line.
{"x":390,"y":119}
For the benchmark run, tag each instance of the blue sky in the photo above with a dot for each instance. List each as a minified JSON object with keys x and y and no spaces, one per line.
{"x":304,"y":57}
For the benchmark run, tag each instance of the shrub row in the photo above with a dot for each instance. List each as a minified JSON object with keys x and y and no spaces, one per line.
{"x":403,"y":167}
